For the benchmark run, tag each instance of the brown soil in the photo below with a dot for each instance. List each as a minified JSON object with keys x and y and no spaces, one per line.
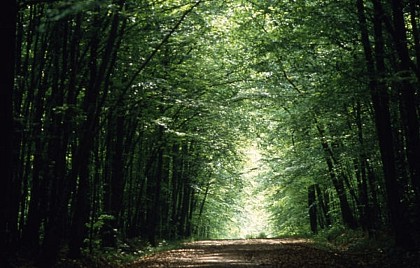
{"x":254,"y":253}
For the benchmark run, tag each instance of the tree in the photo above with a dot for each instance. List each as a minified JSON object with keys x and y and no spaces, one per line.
{"x":130,"y":118}
{"x":378,"y":70}
{"x":7,"y":203}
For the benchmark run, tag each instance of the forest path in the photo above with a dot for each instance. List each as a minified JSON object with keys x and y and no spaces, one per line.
{"x":251,"y":253}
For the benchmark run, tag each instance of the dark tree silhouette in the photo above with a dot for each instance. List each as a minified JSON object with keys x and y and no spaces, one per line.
{"x":7,"y":199}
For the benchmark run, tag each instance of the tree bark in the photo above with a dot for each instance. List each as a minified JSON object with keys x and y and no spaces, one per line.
{"x":338,"y":183}
{"x":154,"y":212}
{"x":409,"y":95}
{"x":323,"y":202}
{"x":312,"y":207}
{"x":7,"y":71}
{"x":380,"y":100}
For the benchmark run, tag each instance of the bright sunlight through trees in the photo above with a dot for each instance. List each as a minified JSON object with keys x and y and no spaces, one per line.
{"x":253,"y":218}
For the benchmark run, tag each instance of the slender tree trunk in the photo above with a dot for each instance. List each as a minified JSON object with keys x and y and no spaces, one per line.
{"x":338,"y":183}
{"x":117,"y":179}
{"x":312,"y":206}
{"x":191,"y":208}
{"x":184,"y":202}
{"x":155,"y":209}
{"x":203,"y":202}
{"x":38,"y":88}
{"x":323,"y":202}
{"x":56,"y":128}
{"x":79,"y":175}
{"x":176,"y":189}
{"x":361,"y":173}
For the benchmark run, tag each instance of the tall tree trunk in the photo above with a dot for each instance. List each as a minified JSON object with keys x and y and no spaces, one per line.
{"x":380,"y":99}
{"x":117,"y":178}
{"x":154,"y":212}
{"x":79,"y":175}
{"x":409,"y":96}
{"x":38,"y":88}
{"x":382,"y":116}
{"x":176,"y":189}
{"x":101,"y":67}
{"x":184,"y":201}
{"x":7,"y":54}
{"x":408,"y":91}
{"x":361,"y":173}
{"x":114,"y":185}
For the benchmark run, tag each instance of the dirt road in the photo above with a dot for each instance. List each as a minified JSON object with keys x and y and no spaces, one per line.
{"x":252,"y":253}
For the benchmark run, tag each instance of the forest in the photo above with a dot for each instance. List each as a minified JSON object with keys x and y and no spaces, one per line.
{"x":164,"y":120}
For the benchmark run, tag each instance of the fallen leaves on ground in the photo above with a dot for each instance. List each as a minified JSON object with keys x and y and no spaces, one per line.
{"x":257,"y":253}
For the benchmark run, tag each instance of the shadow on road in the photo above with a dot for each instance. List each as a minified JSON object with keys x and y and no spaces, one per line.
{"x":249,"y":253}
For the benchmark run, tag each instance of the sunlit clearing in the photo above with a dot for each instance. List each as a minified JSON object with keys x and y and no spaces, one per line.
{"x":253,"y":218}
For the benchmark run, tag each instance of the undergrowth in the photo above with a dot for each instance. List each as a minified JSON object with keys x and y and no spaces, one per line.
{"x":127,"y":252}
{"x":377,"y":248}
{"x":373,"y":251}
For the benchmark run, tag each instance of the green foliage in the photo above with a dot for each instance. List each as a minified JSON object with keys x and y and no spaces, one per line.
{"x":138,"y":115}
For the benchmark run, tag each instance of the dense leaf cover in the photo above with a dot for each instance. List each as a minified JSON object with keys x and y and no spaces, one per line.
{"x":135,"y":119}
